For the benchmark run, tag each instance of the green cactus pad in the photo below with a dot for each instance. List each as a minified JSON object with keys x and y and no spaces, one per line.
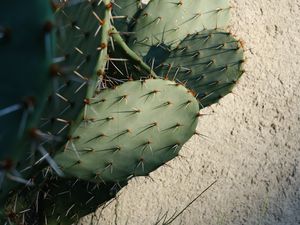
{"x":83,"y":34}
{"x":69,"y":200}
{"x":130,"y":131}
{"x":209,"y":63}
{"x":26,"y":47}
{"x":169,"y":22}
{"x":57,"y":201}
{"x":26,"y":51}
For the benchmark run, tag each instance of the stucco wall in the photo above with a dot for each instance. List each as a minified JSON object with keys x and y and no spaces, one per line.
{"x":253,"y":139}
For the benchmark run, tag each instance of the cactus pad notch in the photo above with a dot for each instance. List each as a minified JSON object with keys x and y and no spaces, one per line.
{"x":125,"y":12}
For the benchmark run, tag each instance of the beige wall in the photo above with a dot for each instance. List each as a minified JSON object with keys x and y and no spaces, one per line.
{"x":253,"y":144}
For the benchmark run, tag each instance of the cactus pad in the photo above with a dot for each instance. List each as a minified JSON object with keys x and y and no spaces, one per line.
{"x":69,"y":200}
{"x":209,"y":63}
{"x":169,"y":22}
{"x":26,"y":51}
{"x":83,"y":33}
{"x":26,"y":47}
{"x":130,"y":131}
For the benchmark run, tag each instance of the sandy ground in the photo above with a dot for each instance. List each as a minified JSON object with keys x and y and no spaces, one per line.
{"x":253,"y":144}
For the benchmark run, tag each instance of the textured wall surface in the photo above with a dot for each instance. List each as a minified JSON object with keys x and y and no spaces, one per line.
{"x":253,"y":139}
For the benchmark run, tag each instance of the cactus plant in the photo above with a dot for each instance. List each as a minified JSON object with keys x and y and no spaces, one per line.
{"x":117,"y":99}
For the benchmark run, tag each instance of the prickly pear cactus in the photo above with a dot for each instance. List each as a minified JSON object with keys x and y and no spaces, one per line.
{"x":106,"y":91}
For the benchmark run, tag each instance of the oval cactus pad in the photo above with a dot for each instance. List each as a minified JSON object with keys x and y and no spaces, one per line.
{"x":130,"y":131}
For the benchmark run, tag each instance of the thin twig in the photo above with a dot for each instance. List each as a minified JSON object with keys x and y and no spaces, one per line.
{"x":195,"y":199}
